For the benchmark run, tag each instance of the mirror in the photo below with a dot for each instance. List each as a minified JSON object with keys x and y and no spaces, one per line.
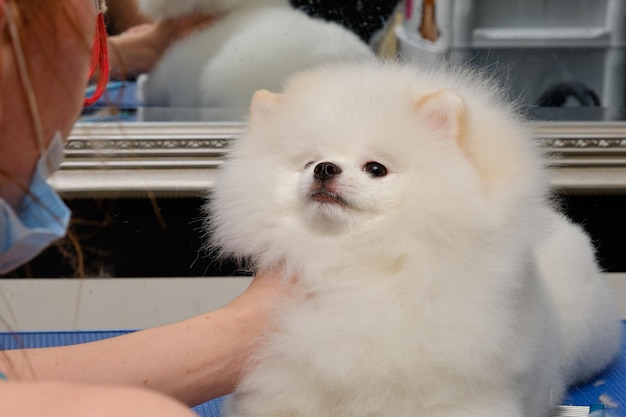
{"x":563,"y":60}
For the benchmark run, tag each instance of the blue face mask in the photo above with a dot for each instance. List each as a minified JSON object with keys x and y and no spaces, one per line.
{"x":41,"y":218}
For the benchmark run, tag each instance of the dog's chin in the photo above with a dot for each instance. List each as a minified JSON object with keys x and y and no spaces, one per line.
{"x":325,"y":197}
{"x":328,"y":213}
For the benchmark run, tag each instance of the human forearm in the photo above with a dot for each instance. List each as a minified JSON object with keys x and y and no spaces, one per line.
{"x":57,"y":399}
{"x":137,"y":50}
{"x":192,"y":360}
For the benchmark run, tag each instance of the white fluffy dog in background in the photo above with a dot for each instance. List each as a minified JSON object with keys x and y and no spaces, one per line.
{"x":254,"y":44}
{"x":434,"y":278}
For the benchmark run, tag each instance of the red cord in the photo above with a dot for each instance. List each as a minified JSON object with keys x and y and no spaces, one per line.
{"x":408,"y":9}
{"x":99,"y":60}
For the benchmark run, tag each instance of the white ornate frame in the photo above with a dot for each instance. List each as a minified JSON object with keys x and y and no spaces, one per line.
{"x":180,"y":159}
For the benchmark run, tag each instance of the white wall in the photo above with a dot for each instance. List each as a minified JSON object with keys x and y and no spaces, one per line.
{"x":110,"y":304}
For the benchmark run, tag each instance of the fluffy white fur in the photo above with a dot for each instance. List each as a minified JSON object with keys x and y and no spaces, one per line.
{"x":448,"y":287}
{"x":254,"y":44}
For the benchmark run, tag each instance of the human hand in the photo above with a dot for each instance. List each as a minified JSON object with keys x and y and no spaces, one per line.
{"x":267,"y":289}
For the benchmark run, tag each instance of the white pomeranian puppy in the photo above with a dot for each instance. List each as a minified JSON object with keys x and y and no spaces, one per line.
{"x":254,"y":44}
{"x":432,"y":276}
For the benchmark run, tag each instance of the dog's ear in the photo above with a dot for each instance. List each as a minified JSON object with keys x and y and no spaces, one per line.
{"x":263,"y":104}
{"x":444,"y":111}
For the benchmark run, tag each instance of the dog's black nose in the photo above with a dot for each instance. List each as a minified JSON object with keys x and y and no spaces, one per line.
{"x":325,"y":170}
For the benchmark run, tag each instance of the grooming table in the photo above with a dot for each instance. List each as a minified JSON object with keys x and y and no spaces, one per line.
{"x":608,"y":389}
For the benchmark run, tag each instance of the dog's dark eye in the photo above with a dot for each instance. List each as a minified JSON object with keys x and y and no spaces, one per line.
{"x":375,"y":169}
{"x":308,"y":164}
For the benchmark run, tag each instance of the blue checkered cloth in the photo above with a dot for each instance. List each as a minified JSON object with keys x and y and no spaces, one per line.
{"x":608,"y":388}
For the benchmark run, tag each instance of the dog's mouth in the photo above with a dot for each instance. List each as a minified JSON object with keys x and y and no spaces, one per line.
{"x":327,"y":197}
